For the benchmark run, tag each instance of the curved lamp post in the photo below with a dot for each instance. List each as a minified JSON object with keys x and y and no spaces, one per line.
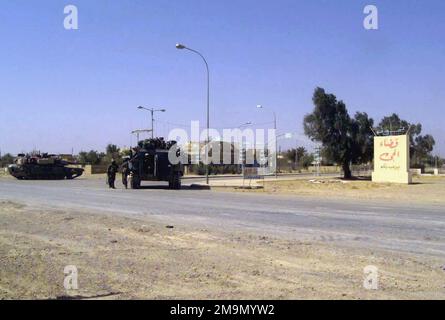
{"x":181,"y":47}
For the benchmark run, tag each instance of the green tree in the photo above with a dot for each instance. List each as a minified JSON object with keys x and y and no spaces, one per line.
{"x":6,"y":160}
{"x":342,"y":136}
{"x":91,"y":157}
{"x":291,"y":155}
{"x":82,"y":157}
{"x":306,"y":160}
{"x":393,"y":123}
{"x":112,"y":152}
{"x":298,"y":155}
{"x":112,"y":149}
{"x":423,"y":147}
{"x":364,"y":142}
{"x":301,"y":151}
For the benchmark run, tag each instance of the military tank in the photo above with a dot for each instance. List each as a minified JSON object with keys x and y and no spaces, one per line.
{"x":149,"y":161}
{"x":43,"y":167}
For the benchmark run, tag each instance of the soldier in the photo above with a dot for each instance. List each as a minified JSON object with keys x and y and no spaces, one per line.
{"x":125,"y":173}
{"x":111,"y":173}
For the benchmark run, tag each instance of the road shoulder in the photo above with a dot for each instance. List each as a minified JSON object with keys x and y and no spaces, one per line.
{"x":121,"y":258}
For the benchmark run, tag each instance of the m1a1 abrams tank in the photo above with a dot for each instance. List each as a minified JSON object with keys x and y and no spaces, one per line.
{"x":42,"y":167}
{"x":150,"y":162}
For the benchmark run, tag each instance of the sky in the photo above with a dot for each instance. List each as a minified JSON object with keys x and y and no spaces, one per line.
{"x":71,"y":90}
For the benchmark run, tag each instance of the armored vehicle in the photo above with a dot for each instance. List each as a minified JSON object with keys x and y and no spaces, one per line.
{"x":149,"y":161}
{"x":42,"y":167}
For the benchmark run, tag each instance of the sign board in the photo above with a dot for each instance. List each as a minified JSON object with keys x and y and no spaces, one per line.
{"x":391,"y":159}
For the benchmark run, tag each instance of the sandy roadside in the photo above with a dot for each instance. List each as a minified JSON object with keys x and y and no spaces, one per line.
{"x":122,"y":258}
{"x":424,"y":190}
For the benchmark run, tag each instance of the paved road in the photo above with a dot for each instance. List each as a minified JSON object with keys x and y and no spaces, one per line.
{"x":270,"y":177}
{"x":419,"y":230}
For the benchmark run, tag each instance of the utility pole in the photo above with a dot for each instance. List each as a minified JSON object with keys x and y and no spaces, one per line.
{"x":276,"y":141}
{"x":152,"y":111}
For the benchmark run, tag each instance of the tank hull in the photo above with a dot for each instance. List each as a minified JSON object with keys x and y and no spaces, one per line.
{"x":44,"y":172}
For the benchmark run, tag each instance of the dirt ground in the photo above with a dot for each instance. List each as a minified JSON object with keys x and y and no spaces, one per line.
{"x":425,"y":189}
{"x":122,"y":258}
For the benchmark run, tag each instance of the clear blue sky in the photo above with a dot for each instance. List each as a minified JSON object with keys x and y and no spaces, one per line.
{"x":79,"y":89}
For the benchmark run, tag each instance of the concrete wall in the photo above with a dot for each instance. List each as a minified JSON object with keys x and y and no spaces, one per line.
{"x":95,"y":169}
{"x":312,"y":169}
{"x":325,"y":169}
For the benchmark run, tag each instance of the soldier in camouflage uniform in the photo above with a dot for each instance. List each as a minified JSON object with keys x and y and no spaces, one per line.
{"x":125,"y":170}
{"x":111,"y":174}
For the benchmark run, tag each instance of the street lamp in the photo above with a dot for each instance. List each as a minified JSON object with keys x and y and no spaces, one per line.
{"x":152,"y":111}
{"x":276,"y":139}
{"x":181,"y":47}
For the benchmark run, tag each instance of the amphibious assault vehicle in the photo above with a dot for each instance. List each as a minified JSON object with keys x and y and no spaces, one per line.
{"x":43,"y":167}
{"x":149,"y":161}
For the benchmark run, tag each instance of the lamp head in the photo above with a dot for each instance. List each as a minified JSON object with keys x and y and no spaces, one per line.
{"x":180,"y":46}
